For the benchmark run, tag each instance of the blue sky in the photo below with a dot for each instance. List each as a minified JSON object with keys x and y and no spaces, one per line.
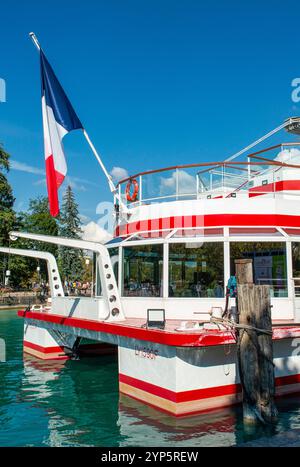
{"x":155,"y":83}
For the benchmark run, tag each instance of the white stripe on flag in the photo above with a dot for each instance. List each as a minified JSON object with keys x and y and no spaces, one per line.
{"x":53,"y":134}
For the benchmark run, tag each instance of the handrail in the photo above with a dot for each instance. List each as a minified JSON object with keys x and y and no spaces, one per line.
{"x":219,"y":164}
{"x":53,"y":273}
{"x":108,"y":281}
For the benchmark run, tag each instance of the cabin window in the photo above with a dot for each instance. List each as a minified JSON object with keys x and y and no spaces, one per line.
{"x":196,"y":270}
{"x":114,"y":257}
{"x":296,"y":267}
{"x":269,"y":263}
{"x":142,"y":271}
{"x":96,"y":273}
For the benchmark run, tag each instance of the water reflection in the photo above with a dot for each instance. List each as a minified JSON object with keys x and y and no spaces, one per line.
{"x":77,"y":403}
{"x":142,"y":425}
{"x":78,"y":399}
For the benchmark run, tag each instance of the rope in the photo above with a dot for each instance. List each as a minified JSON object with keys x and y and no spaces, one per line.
{"x":248,"y":327}
{"x":260,"y":140}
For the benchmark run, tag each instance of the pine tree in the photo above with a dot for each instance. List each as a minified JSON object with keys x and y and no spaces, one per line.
{"x":70,"y":260}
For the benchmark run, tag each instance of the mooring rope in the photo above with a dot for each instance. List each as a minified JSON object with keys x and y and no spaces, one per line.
{"x":245,"y":328}
{"x":231,"y":324}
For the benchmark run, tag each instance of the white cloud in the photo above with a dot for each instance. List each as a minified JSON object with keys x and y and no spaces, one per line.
{"x":75,"y":183}
{"x":82,"y":180}
{"x":291,"y":155}
{"x":84,"y":218}
{"x":118,"y":173}
{"x":186,"y":183}
{"x":22,"y":167}
{"x":42,"y":181}
{"x":94,"y":233}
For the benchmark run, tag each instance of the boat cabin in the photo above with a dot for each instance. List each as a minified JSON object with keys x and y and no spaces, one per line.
{"x":185,"y":271}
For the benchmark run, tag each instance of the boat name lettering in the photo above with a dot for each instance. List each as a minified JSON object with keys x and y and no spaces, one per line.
{"x":146,"y":352}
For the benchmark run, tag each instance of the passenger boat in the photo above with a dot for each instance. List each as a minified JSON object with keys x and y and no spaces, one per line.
{"x":164,"y":275}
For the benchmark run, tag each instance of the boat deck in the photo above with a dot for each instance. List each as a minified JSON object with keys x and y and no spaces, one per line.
{"x":172,"y":335}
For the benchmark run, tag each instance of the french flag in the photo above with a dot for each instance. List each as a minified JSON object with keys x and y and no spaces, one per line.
{"x":59,"y":118}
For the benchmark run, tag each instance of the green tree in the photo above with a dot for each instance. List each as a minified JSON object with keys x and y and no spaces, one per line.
{"x":70,"y":260}
{"x":38,"y":220}
{"x":21,"y":268}
{"x":7,"y":214}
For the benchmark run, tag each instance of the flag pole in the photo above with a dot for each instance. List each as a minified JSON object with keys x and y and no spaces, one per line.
{"x":34,"y":40}
{"x":111,"y":184}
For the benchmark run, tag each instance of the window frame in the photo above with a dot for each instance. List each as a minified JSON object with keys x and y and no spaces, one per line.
{"x":226,"y":239}
{"x":121,"y":270}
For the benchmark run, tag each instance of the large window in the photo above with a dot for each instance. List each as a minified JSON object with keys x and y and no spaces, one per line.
{"x":269,"y":263}
{"x":296,"y":260}
{"x":142,"y":273}
{"x":114,"y":257}
{"x":196,"y":270}
{"x":296,"y":267}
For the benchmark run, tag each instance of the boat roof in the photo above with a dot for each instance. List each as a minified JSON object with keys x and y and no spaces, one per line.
{"x":255,"y":160}
{"x":210,"y":234}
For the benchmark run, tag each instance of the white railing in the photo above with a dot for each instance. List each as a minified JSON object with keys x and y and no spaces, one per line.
{"x":216,"y":178}
{"x":110,"y":291}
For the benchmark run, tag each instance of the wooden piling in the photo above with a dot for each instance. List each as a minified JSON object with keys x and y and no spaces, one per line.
{"x":244,"y":271}
{"x":255,"y":348}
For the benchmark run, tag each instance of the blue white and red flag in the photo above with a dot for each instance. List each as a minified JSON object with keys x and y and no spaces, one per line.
{"x":59,"y":118}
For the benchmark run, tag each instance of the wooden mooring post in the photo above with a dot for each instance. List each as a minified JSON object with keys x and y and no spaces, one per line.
{"x":255,"y":347}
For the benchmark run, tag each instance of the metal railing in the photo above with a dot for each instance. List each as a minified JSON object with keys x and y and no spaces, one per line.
{"x":25,"y":298}
{"x":256,"y":176}
{"x":278,"y":287}
{"x":296,"y":281}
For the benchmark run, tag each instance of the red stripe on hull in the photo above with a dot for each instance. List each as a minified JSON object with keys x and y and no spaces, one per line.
{"x":160,"y":337}
{"x":196,"y":394}
{"x":184,"y":339}
{"x":184,"y":396}
{"x":39,"y":348}
{"x":45,"y":353}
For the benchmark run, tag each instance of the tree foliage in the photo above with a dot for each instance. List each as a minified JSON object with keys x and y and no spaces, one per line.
{"x":38,"y":220}
{"x":7,"y":214}
{"x":70,"y":260}
{"x":8,"y":220}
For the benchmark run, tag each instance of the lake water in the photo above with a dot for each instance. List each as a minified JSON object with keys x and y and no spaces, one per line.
{"x":77,"y":403}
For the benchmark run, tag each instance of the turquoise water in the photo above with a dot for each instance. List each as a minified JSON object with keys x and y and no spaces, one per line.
{"x":76,"y":403}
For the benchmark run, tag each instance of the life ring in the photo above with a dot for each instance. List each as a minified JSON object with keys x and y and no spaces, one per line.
{"x":132,"y":197}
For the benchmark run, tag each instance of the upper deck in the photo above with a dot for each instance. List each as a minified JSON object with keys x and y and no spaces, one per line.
{"x":259,"y":186}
